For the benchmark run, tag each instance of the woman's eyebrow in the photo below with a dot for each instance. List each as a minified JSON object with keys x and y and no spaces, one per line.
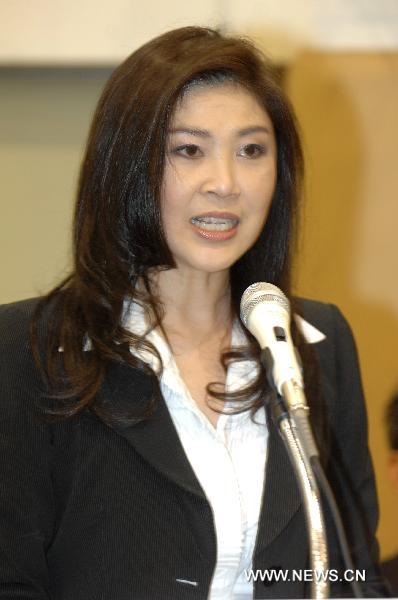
{"x":191,"y":131}
{"x":205,"y":133}
{"x":253,"y":129}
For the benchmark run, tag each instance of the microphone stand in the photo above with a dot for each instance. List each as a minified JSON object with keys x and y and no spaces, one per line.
{"x":300,"y":448}
{"x":265,"y":311}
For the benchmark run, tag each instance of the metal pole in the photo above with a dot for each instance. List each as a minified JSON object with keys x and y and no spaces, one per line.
{"x":312,"y":505}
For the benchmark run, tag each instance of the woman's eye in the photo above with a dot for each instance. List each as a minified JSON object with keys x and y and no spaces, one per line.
{"x":252,"y":150}
{"x":188,"y":150}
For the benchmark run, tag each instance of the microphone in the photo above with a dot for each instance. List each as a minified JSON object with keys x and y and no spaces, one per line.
{"x":265,"y":311}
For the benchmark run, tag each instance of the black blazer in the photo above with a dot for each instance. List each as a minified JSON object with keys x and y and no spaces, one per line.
{"x":90,"y":511}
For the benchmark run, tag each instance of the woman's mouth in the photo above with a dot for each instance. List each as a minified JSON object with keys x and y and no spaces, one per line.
{"x":215,"y":227}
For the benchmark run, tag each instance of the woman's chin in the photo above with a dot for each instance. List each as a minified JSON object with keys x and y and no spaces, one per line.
{"x":206,"y":265}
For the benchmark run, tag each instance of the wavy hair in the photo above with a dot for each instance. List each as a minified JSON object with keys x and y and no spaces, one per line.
{"x":117,"y":233}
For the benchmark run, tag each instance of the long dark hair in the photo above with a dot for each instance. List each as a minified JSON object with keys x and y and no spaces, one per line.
{"x":118,"y":234}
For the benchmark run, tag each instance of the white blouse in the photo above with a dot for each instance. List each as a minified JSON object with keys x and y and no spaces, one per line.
{"x":228,"y":460}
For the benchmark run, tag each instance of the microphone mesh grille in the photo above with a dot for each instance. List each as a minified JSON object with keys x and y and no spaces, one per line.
{"x":251,"y":298}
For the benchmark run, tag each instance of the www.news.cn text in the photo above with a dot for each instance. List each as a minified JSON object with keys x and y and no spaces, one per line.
{"x":286,"y":575}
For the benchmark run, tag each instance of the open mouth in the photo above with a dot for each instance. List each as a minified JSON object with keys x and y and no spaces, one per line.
{"x":210,"y":223}
{"x":215,"y":227}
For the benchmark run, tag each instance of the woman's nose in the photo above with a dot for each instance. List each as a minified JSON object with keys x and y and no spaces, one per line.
{"x":221,"y":177}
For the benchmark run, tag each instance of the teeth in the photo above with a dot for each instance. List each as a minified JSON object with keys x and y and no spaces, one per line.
{"x":214,"y":223}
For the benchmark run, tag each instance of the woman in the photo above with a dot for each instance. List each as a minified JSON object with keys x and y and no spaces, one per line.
{"x":137,"y":458}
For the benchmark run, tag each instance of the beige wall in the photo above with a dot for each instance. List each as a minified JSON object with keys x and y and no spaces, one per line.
{"x":44,"y":119}
{"x":347,"y":107}
{"x":98,"y":32}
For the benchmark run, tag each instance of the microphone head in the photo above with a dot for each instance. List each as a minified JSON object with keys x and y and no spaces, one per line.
{"x":267,"y":294}
{"x":265,"y":311}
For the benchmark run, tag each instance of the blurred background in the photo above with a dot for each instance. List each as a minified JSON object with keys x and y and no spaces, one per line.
{"x":339,"y":62}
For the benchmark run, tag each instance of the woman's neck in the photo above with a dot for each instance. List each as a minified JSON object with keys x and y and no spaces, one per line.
{"x":193,"y":301}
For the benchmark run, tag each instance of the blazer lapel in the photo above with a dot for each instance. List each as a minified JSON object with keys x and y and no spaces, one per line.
{"x":281,"y":498}
{"x":156,"y":439}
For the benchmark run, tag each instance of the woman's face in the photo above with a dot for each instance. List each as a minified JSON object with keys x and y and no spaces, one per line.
{"x":220,"y":175}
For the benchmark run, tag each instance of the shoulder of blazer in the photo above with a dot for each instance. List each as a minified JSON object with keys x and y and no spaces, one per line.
{"x":15,"y":318}
{"x":15,"y":351}
{"x":337,"y":353}
{"x":321,"y":315}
